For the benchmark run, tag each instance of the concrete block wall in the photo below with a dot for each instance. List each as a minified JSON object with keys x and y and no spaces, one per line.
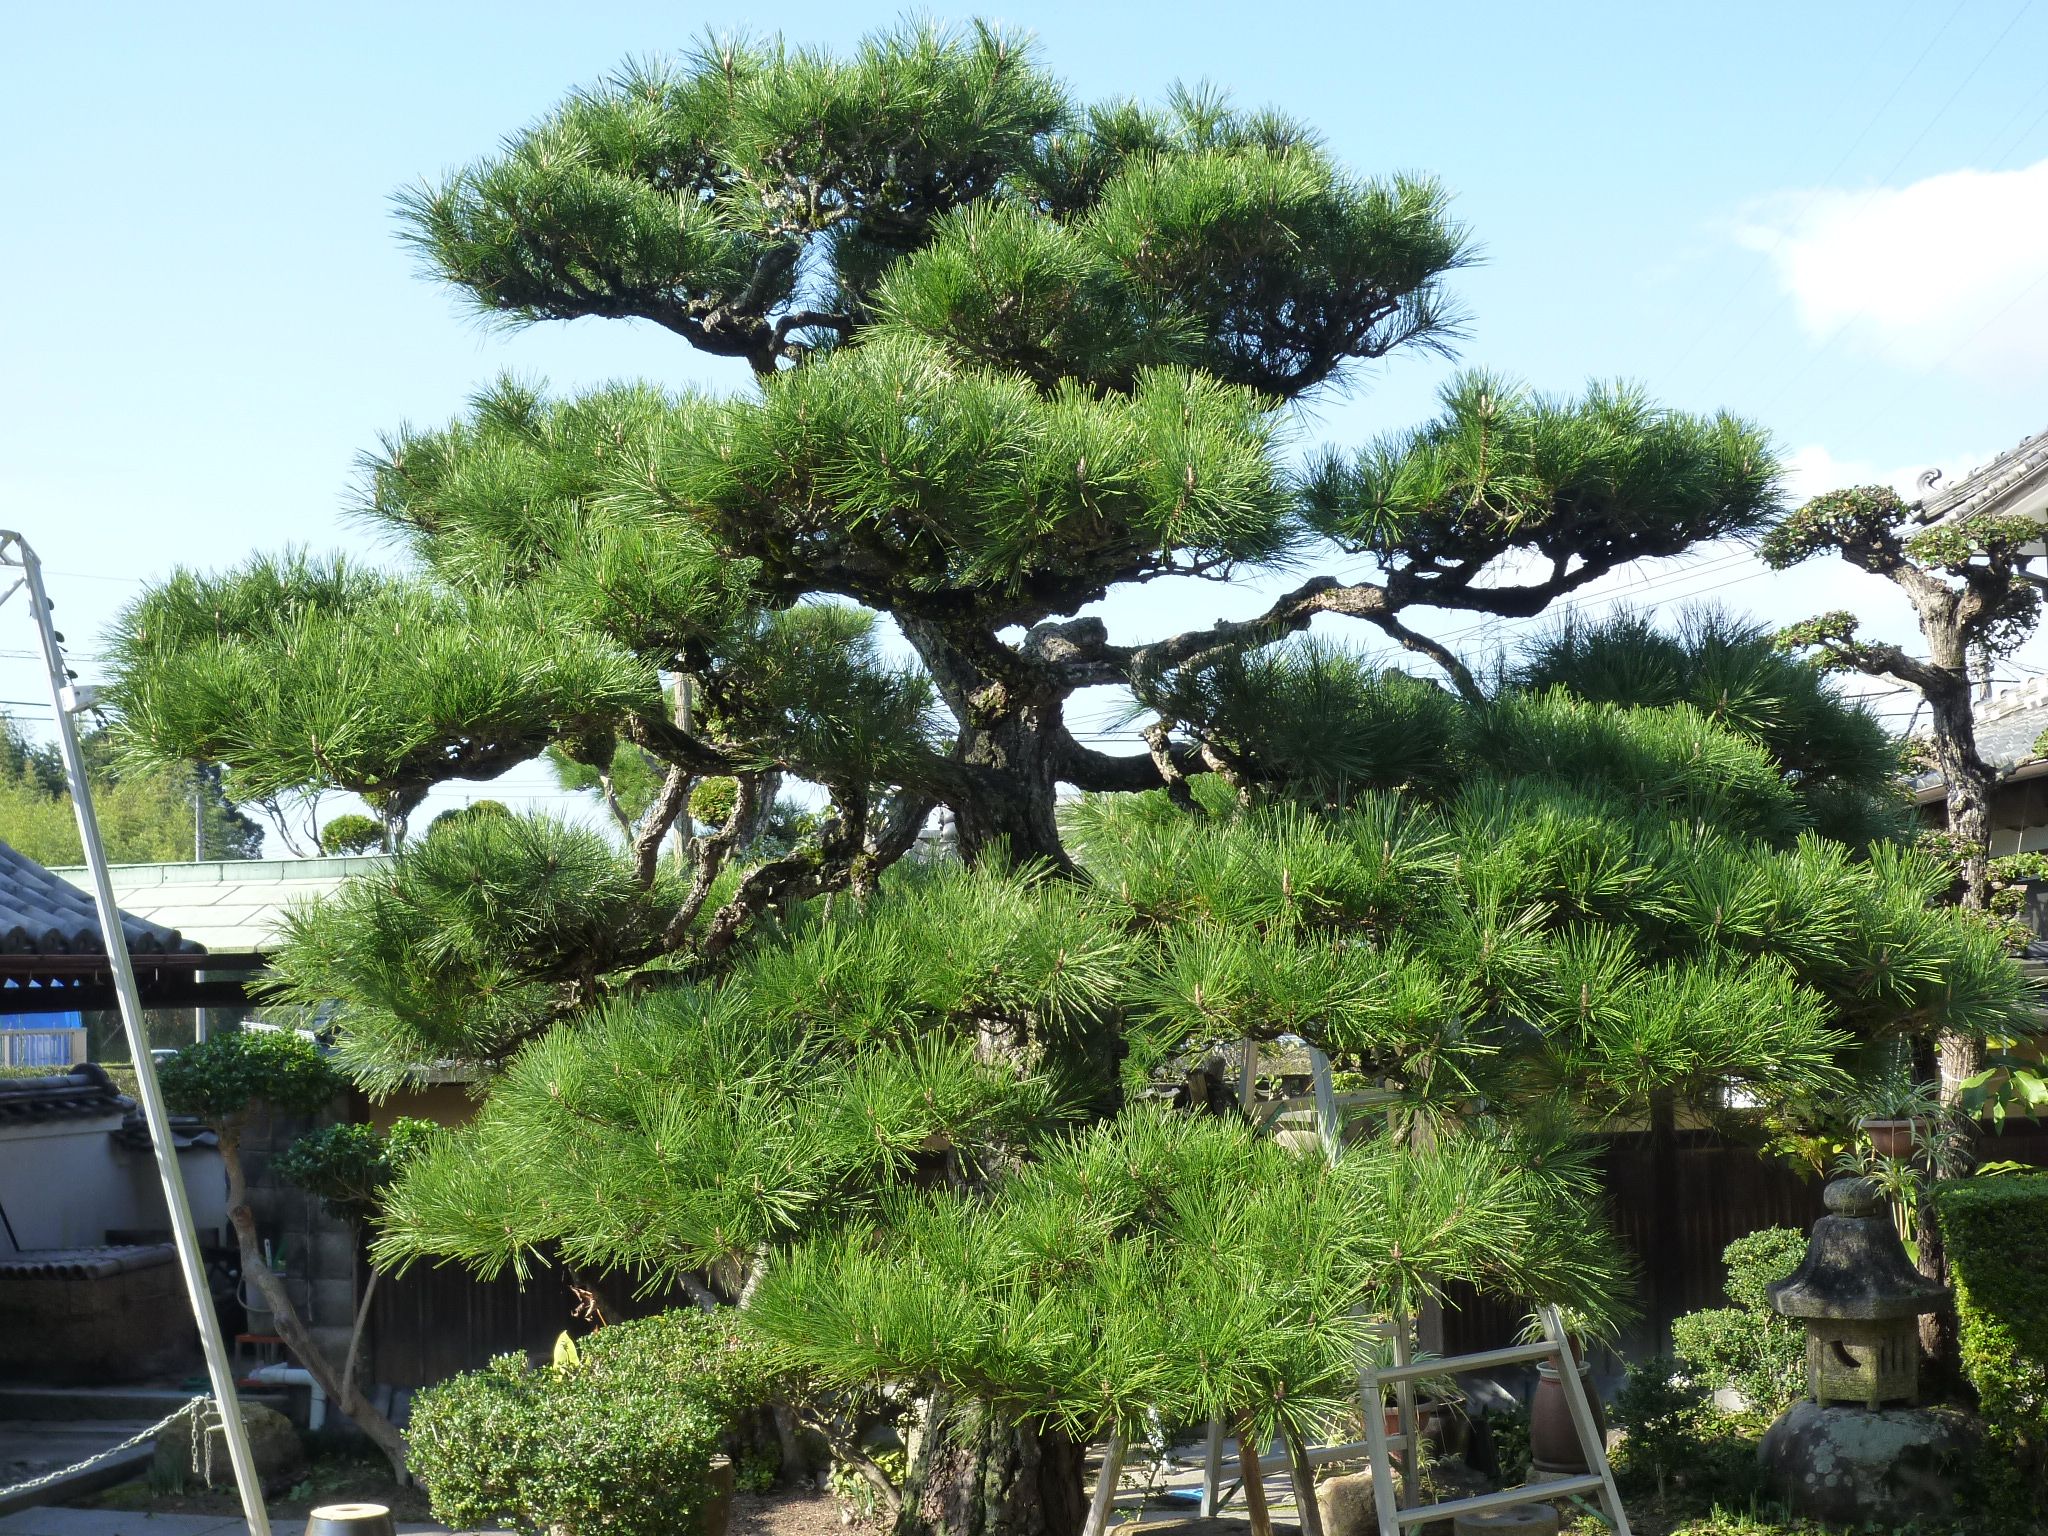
{"x":320,"y":1251}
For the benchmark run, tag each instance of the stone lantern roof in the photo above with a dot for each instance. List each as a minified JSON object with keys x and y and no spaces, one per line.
{"x":1855,"y":1267}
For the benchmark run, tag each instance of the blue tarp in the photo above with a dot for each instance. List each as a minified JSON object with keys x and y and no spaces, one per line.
{"x":49,"y":1051}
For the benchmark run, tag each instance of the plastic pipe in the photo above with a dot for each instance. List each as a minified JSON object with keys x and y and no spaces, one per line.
{"x":282,"y":1375}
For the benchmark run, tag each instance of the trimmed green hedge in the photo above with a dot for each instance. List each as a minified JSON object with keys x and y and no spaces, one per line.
{"x":1996,"y":1233}
{"x":615,"y":1440}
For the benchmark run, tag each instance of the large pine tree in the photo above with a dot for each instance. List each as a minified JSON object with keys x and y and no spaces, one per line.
{"x":942,"y":1127}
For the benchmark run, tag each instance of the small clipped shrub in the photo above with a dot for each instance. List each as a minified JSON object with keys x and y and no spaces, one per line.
{"x":1996,"y":1234}
{"x":617,"y":1438}
{"x":352,"y":832}
{"x":221,"y":1077}
{"x":1677,"y":1444}
{"x":1658,"y":1411}
{"x":349,"y":1165}
{"x":476,"y":810}
{"x":1748,"y":1347}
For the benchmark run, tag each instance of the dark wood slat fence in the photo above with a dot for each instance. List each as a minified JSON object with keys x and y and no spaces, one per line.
{"x":430,"y":1323}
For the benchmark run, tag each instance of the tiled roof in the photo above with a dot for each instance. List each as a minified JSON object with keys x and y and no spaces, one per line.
{"x":2010,"y":723}
{"x":41,"y":914}
{"x":230,"y":904}
{"x":84,"y":1092}
{"x":187,"y":1132}
{"x":84,"y":1263}
{"x":2015,"y":481}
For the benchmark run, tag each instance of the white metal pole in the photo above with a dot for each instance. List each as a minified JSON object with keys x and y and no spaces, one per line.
{"x":14,"y":550}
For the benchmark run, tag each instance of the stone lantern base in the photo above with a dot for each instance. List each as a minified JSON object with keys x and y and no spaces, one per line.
{"x":1853,"y":1466}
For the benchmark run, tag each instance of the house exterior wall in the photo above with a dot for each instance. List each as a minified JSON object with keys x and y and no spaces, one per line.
{"x":66,"y":1184}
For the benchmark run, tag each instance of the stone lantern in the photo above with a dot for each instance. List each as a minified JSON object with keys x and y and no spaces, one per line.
{"x":1861,"y":1300}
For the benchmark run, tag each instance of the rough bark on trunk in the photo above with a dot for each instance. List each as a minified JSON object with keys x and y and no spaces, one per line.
{"x":1002,"y":790}
{"x":980,"y":1474}
{"x":339,"y":1386}
{"x":1957,"y":1055}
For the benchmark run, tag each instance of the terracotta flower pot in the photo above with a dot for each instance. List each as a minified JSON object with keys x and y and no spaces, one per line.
{"x":1439,"y":1421}
{"x":1553,"y":1440}
{"x":1893,"y":1138}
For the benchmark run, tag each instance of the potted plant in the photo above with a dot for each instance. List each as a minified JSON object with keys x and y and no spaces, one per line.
{"x":1554,"y":1446}
{"x":1895,"y":1111}
{"x":1439,"y":1415}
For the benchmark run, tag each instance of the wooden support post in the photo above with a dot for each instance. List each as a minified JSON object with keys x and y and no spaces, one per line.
{"x":1327,"y":1120}
{"x":1308,"y":1515}
{"x":1100,"y":1507}
{"x":1404,"y":1398}
{"x":1212,"y":1468}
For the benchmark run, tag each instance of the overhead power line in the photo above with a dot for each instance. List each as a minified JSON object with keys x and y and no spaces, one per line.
{"x":1863,"y":199}
{"x":1713,"y":325}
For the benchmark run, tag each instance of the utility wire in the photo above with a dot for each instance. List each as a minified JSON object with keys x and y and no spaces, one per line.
{"x":1862,"y":201}
{"x":1812,"y":197}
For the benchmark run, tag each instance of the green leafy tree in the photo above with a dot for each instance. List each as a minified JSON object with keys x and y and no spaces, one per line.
{"x":1973,"y":584}
{"x":930,"y":1126}
{"x":145,"y":815}
{"x":226,"y":1078}
{"x":1975,"y":589}
{"x":351,"y":832}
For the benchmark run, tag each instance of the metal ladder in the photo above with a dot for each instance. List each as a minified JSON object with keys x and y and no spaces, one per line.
{"x":1394,"y":1517}
{"x":1397,"y":1509}
{"x":1328,"y":1124}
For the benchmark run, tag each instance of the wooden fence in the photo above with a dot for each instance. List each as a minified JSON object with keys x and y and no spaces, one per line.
{"x":1675,"y":1215}
{"x":1675,"y":1220}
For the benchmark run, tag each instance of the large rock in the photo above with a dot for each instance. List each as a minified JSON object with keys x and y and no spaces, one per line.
{"x":1347,"y":1506}
{"x":274,"y":1442}
{"x":1851,"y":1466}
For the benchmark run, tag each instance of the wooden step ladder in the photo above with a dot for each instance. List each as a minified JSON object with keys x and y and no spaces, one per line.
{"x":1397,"y":1509}
{"x":1397,"y":1514}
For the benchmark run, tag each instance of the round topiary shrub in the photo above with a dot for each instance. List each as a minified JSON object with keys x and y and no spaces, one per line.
{"x":351,"y":832}
{"x":617,"y":1437}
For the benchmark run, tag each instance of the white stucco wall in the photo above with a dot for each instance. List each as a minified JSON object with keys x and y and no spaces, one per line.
{"x":67,"y":1183}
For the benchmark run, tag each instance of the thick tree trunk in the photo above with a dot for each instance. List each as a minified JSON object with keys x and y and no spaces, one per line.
{"x":979,"y":1474}
{"x":339,"y":1386}
{"x":1013,"y":800}
{"x":1970,"y":784}
{"x":1003,"y":789}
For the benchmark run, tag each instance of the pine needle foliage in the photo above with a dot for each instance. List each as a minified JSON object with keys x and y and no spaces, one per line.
{"x":936,"y":1125}
{"x":1173,"y":1264}
{"x":1843,"y":762}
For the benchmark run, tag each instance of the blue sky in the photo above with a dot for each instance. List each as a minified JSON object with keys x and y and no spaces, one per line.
{"x":1830,"y":217}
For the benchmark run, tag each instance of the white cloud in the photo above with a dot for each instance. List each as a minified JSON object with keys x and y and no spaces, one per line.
{"x":1813,"y":469}
{"x":1950,"y":271}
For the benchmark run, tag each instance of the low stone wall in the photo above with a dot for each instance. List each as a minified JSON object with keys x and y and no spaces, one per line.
{"x":319,"y":1251}
{"x":94,"y":1316}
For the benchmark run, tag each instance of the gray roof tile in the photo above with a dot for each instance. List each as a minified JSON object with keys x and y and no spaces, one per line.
{"x":82,"y":1093}
{"x":43,"y":915}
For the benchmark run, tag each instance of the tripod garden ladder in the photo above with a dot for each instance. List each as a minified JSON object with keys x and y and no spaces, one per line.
{"x":1554,"y":1346}
{"x":1397,"y":1509}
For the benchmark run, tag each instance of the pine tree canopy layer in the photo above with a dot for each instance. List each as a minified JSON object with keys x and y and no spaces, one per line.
{"x":942,"y":1125}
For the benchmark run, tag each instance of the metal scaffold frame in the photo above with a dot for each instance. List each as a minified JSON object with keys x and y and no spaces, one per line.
{"x":66,"y":701}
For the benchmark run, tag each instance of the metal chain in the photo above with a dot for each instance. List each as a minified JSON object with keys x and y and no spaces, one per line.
{"x":132,"y":1441}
